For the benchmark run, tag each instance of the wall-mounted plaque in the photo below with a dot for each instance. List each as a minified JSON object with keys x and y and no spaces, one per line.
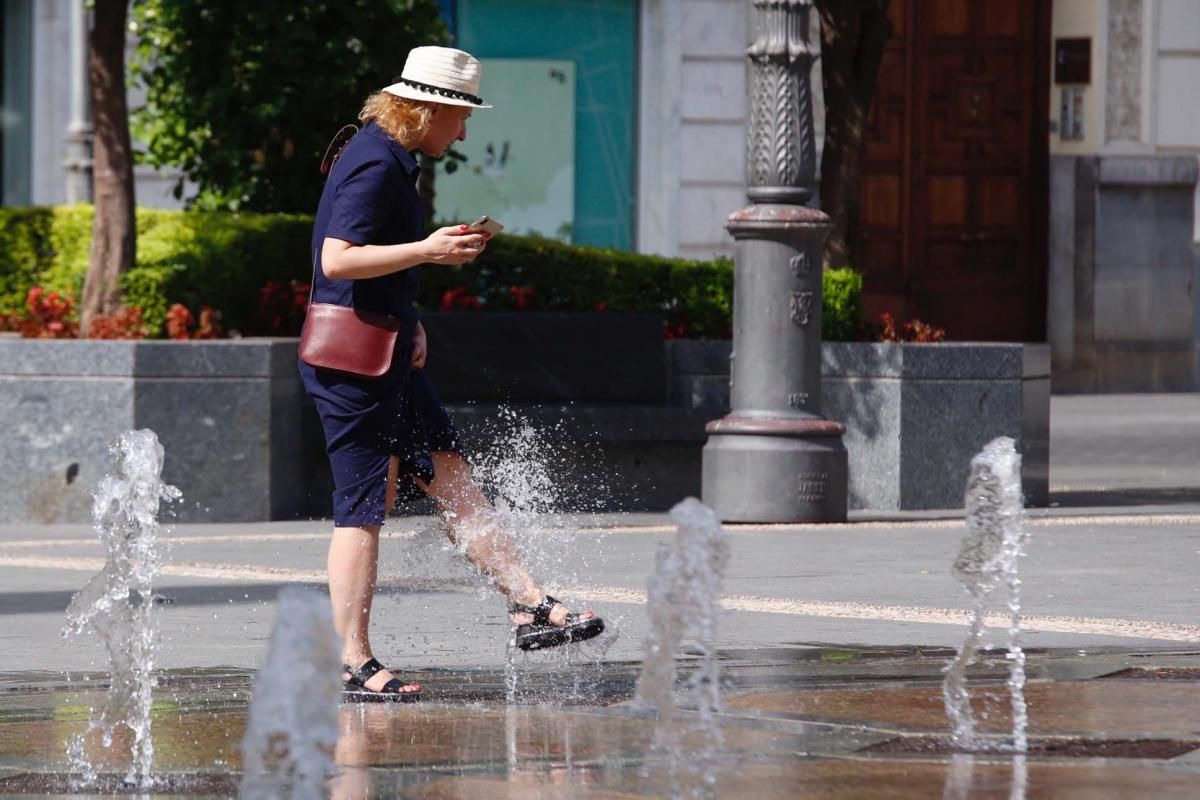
{"x":1073,"y":60}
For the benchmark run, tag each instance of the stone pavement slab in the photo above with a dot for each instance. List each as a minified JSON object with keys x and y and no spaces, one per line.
{"x":1124,"y":449}
{"x":1089,"y":580}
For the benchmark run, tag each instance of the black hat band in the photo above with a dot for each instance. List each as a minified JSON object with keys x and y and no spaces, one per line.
{"x":425,"y":87}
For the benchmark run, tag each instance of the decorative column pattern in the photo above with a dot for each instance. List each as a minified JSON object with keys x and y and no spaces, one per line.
{"x":1123,"y":103}
{"x":781,"y":153}
{"x":774,"y":458}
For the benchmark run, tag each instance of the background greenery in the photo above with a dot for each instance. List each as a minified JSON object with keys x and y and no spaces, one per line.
{"x":244,"y":97}
{"x":223,"y":260}
{"x":215,"y":259}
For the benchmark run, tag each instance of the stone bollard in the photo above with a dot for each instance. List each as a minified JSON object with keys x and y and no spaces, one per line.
{"x":774,"y":458}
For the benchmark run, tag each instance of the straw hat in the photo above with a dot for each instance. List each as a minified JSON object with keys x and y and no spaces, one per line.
{"x":440,"y":75}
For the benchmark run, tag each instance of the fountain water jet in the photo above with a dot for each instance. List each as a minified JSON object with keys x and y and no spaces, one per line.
{"x":988,"y":562}
{"x":292,"y":726}
{"x":118,"y":602}
{"x":683,"y":598}
{"x":960,"y":778}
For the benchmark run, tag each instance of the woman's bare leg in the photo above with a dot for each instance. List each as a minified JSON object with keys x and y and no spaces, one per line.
{"x":353,"y":565}
{"x":472,"y":524}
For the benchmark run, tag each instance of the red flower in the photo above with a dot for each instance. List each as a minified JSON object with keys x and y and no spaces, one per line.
{"x":457,"y":299}
{"x":889,"y":328}
{"x":48,"y":317}
{"x":209,"y":326}
{"x":281,"y":309}
{"x":522,"y":296}
{"x":124,"y":323}
{"x":179,"y":320}
{"x":678,"y":331}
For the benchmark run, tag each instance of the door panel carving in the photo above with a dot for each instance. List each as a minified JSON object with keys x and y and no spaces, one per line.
{"x":963,"y":232}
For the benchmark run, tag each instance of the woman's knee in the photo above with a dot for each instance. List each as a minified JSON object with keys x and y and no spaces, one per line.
{"x":454,"y":487}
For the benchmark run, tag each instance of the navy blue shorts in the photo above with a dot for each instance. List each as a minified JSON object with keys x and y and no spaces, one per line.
{"x":366,"y":421}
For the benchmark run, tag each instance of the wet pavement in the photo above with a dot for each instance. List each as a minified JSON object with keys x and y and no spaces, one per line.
{"x":832,"y":641}
{"x":796,"y":722}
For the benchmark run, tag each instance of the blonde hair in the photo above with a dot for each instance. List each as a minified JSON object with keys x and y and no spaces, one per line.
{"x":406,"y":121}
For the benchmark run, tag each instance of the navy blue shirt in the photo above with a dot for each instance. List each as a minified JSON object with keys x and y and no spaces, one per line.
{"x":371,"y":197}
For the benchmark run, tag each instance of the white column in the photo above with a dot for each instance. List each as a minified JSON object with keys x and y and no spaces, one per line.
{"x":78,"y":162}
{"x":659,"y":127}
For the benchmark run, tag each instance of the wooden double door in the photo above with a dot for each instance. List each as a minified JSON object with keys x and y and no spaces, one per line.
{"x":954,"y":198}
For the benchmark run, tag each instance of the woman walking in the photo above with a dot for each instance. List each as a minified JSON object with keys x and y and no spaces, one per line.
{"x":368,"y":236}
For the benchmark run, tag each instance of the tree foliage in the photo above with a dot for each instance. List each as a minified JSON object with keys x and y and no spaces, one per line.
{"x":243,"y":98}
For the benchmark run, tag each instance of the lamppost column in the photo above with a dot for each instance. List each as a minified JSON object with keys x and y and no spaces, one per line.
{"x":774,"y":458}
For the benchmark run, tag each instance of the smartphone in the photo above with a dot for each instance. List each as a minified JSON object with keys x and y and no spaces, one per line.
{"x":486,"y":224}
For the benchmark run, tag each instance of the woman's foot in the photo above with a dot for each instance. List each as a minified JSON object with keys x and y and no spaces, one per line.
{"x":373,"y":682}
{"x":550,"y":624}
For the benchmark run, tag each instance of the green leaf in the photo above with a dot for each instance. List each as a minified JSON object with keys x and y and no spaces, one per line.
{"x":222,"y":78}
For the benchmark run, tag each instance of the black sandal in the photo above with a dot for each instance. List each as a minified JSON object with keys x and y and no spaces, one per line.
{"x":542,"y":633}
{"x":356,"y":689}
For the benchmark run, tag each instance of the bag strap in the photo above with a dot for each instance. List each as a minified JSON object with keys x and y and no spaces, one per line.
{"x":312,"y":285}
{"x":336,"y":145}
{"x":332,"y":153}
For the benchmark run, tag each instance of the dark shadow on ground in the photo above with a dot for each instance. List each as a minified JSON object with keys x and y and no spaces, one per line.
{"x":12,"y":603}
{"x":1109,"y":498}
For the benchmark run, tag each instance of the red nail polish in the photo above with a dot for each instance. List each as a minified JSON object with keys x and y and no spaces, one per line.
{"x":463,"y":227}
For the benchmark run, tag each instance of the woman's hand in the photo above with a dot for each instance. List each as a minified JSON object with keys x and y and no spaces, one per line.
{"x":420,"y":347}
{"x":456,"y":244}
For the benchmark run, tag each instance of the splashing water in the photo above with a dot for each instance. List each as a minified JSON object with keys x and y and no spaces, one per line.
{"x":292,"y":728}
{"x":538,"y":480}
{"x":118,"y":602}
{"x":533,"y":474}
{"x":987,"y":562}
{"x":683,"y":599}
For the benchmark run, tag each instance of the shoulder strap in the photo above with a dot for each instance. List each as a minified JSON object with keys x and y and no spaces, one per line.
{"x":332,"y":153}
{"x":336,"y":145}
{"x":312,"y":285}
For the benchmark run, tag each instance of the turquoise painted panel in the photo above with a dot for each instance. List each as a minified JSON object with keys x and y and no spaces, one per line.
{"x":600,"y":36}
{"x":16,"y":104}
{"x":520,"y":166}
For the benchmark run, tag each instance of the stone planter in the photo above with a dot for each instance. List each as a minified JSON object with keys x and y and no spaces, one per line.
{"x":914,"y":414}
{"x":546,"y":357}
{"x":243,"y":443}
{"x":228,"y":414}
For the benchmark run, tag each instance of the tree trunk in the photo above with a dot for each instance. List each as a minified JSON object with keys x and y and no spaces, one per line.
{"x":113,"y":230}
{"x":854,"y":34}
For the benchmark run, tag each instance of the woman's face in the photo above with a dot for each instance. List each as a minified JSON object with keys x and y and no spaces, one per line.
{"x":448,"y":124}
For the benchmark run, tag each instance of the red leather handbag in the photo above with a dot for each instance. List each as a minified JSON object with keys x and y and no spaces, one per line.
{"x":348,"y":340}
{"x":339,"y":337}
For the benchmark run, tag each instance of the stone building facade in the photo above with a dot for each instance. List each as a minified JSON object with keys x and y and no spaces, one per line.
{"x":1122,"y":304}
{"x":1076,"y":226}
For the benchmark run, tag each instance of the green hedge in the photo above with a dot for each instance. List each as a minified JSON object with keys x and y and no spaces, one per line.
{"x":216,"y":259}
{"x":841,"y":304}
{"x":223,"y":260}
{"x":695,"y":297}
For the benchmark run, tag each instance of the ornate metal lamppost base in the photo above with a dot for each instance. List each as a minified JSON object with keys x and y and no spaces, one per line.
{"x":775,"y":470}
